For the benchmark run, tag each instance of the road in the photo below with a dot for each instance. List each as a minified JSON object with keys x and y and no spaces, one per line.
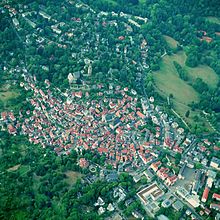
{"x":172,"y":191}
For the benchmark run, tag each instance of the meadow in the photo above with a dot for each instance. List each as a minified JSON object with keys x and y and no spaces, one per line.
{"x":167,"y":82}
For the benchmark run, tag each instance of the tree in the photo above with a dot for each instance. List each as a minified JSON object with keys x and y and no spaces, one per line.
{"x":187,"y":113}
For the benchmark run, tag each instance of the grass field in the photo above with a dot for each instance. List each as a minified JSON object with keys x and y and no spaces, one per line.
{"x":72,"y":177}
{"x":167,"y":81}
{"x":6,"y":95}
{"x":214,"y":20}
{"x":171,"y":42}
{"x":206,"y":73}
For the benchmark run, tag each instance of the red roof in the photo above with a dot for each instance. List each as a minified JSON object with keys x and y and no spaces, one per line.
{"x":4,"y":115}
{"x":102,"y":150}
{"x":207,"y":39}
{"x":141,"y":115}
{"x":216,"y":196}
{"x":83,"y":162}
{"x":205,"y":194}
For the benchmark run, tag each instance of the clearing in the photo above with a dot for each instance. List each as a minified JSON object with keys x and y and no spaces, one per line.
{"x":14,"y":168}
{"x":214,"y":20}
{"x":72,"y":177}
{"x":167,"y":81}
{"x":170,"y":41}
{"x":6,"y":93}
{"x":204,"y":72}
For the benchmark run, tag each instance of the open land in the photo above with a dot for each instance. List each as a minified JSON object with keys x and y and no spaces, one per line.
{"x":168,"y":82}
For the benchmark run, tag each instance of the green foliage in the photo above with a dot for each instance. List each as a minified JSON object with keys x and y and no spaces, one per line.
{"x":182,"y":72}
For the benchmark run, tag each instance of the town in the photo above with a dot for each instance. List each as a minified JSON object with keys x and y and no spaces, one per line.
{"x":118,"y":129}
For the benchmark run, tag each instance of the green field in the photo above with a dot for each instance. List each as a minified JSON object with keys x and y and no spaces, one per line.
{"x":167,"y":81}
{"x":6,"y":95}
{"x":206,"y":73}
{"x":214,"y":20}
{"x":170,"y":41}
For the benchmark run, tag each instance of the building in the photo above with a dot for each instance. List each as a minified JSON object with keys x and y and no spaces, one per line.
{"x":101,"y":210}
{"x":83,"y":163}
{"x":15,"y":22}
{"x":180,"y":175}
{"x":110,"y":207}
{"x":55,"y":29}
{"x":171,"y":180}
{"x":153,"y":191}
{"x":182,"y":192}
{"x":112,"y":177}
{"x":217,"y":217}
{"x":162,"y":217}
{"x":100,"y":202}
{"x":44,"y":15}
{"x":215,"y":206}
{"x":216,"y":196}
{"x":178,"y":206}
{"x":148,"y":175}
{"x":193,"y":200}
{"x":205,"y":194}
{"x":215,"y":163}
{"x":196,"y":183}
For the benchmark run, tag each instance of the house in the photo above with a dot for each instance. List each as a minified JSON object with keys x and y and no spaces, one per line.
{"x":141,"y":115}
{"x":119,"y":193}
{"x":171,"y":180}
{"x":137,"y":215}
{"x":44,"y":15}
{"x":100,"y":202}
{"x":110,"y":207}
{"x":205,"y":194}
{"x":11,"y":129}
{"x":193,"y":200}
{"x":215,"y":206}
{"x":15,"y":22}
{"x":216,"y":196}
{"x":83,"y":163}
{"x":137,"y":178}
{"x":112,"y":177}
{"x":55,"y":29}
{"x":155,"y":166}
{"x":217,"y":217}
{"x":101,"y":210}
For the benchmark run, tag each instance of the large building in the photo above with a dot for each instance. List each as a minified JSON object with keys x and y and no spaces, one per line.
{"x":153,"y":191}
